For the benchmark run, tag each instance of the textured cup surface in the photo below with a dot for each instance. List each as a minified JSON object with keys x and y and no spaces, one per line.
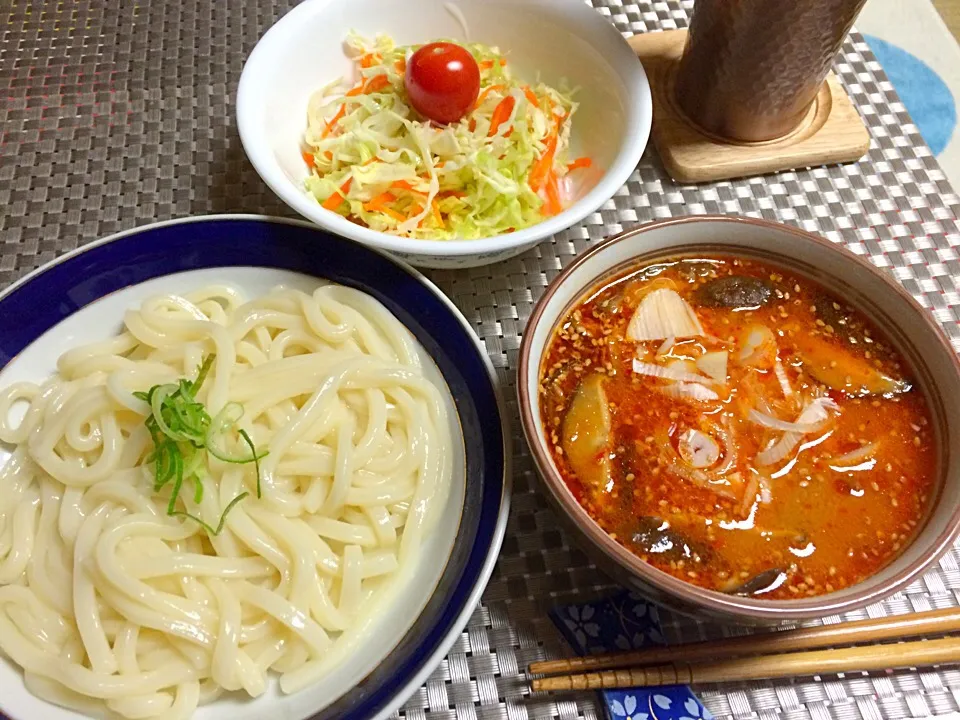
{"x":752,"y":68}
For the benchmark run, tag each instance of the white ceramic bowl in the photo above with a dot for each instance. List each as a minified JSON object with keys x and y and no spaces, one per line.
{"x":552,"y":39}
{"x":909,"y":327}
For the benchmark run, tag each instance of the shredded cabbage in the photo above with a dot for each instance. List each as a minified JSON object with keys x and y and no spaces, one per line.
{"x":375,"y":161}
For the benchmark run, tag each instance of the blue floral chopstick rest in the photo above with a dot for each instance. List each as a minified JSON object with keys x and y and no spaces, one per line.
{"x":626,"y":622}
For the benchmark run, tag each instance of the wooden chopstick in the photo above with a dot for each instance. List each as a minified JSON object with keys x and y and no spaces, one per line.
{"x":919,"y":653}
{"x":931,"y":622}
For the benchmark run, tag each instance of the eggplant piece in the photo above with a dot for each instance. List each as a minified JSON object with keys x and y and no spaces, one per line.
{"x":761,"y":583}
{"x":654,"y":536}
{"x":840,"y":318}
{"x":836,"y":367}
{"x":737,"y":292}
{"x":586,"y":434}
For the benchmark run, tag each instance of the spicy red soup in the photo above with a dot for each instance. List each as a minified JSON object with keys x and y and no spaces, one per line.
{"x":738,"y":427}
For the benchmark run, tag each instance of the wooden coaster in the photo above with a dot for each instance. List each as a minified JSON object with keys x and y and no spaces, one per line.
{"x":832,"y":132}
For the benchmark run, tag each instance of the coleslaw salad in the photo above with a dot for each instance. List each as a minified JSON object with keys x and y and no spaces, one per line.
{"x":501,"y":168}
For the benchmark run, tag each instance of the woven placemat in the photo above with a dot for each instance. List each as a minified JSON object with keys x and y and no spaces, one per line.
{"x":114,"y":115}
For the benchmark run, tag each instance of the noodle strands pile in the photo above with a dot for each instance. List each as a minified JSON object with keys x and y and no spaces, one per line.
{"x":146,"y":588}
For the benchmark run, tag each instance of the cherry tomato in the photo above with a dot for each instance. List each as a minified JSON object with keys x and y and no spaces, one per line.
{"x":442,"y":81}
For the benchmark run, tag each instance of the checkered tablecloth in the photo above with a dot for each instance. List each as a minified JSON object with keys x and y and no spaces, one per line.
{"x":116,"y":114}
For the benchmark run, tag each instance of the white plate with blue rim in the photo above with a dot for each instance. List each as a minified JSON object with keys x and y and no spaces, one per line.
{"x":82,"y":297}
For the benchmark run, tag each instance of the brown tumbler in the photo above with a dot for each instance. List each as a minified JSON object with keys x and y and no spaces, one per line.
{"x":751,"y":69}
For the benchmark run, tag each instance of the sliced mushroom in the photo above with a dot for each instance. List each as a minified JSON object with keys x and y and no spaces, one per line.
{"x":586,"y":433}
{"x":737,"y":292}
{"x":761,"y":583}
{"x":655,"y":536}
{"x":836,"y":367}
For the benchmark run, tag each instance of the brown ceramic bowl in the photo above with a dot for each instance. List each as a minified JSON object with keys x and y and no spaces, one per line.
{"x":911,"y":328}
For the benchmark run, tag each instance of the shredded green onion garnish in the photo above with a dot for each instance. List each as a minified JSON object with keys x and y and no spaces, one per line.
{"x":182,"y":429}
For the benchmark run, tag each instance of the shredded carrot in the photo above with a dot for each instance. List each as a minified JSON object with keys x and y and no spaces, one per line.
{"x":415,"y":210}
{"x":544,"y":164}
{"x":394,"y":214}
{"x":553,"y":195}
{"x":402,"y":185}
{"x":370,"y":59}
{"x":328,"y":155}
{"x":451,"y":193}
{"x":488,"y":64}
{"x":333,"y":202}
{"x":379,"y":202}
{"x":483,"y":96}
{"x":531,"y":96}
{"x":309,"y":159}
{"x":440,"y":164}
{"x":401,"y":66}
{"x":436,"y":212}
{"x":583,"y":162}
{"x":334,"y":120}
{"x":472,"y":126}
{"x":501,"y":113}
{"x":377,"y":82}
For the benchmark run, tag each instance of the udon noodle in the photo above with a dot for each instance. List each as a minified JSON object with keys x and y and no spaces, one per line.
{"x":106,"y":600}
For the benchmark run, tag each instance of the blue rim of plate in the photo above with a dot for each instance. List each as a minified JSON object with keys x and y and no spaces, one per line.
{"x":47,"y":296}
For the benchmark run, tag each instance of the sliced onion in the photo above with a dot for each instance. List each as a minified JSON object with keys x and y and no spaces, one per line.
{"x":855,"y":456}
{"x":773,"y":423}
{"x":750,"y":495}
{"x":723,"y":433}
{"x":782,"y":378}
{"x":667,"y":345}
{"x":811,"y":419}
{"x":816,"y":411}
{"x":689,"y":391}
{"x":718,"y":485}
{"x":714,"y":364}
{"x":780,"y":449}
{"x":669,"y":372}
{"x":663,"y":314}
